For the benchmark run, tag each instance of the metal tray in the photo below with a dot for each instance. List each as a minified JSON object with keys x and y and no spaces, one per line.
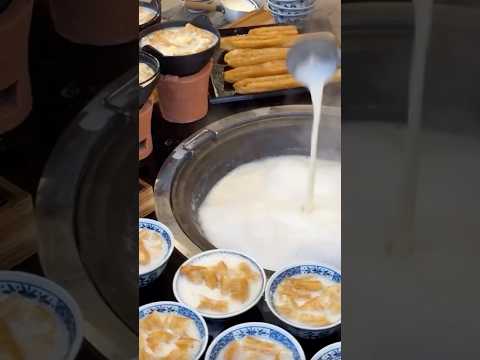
{"x":222,"y":92}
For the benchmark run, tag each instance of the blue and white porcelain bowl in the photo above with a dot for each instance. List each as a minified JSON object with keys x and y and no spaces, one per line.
{"x":257,"y":329}
{"x":219,"y":252}
{"x":288,"y":12}
{"x":53,"y":297}
{"x":294,"y":1}
{"x":330,"y":352}
{"x":170,"y":307}
{"x":291,"y":17}
{"x":298,"y":5}
{"x":145,"y":278}
{"x":302,"y":331}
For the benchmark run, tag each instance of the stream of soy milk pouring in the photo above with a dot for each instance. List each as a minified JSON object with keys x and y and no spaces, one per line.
{"x":314,"y":73}
{"x":404,"y":239}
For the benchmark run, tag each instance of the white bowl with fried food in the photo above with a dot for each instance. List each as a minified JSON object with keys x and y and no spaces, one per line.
{"x":38,"y":319}
{"x":220,"y":283}
{"x":169,"y":330}
{"x":306,"y":299}
{"x":330,"y":352}
{"x":255,"y":340}
{"x":152,"y":263}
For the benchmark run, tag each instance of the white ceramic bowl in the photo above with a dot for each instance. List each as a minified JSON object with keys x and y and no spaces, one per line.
{"x":231,"y":13}
{"x":145,"y":278}
{"x":330,"y":352}
{"x":203,"y":255}
{"x":170,"y":307}
{"x":305,"y":332}
{"x":262,"y":330}
{"x":52,"y":296}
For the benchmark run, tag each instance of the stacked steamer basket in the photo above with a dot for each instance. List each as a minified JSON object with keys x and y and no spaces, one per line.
{"x":291,"y":11}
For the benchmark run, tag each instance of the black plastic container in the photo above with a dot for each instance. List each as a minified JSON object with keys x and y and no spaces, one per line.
{"x":154,"y":5}
{"x":187,"y":64}
{"x":146,"y":87}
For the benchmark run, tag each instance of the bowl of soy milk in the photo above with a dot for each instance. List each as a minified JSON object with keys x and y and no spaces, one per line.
{"x":220,"y":283}
{"x":169,"y":330}
{"x":255,"y":340}
{"x":155,"y":246}
{"x":38,"y":319}
{"x":329,"y":352}
{"x":306,"y":299}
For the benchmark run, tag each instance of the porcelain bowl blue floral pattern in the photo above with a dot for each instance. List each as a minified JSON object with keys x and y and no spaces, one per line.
{"x":257,"y":329}
{"x":298,"y":5}
{"x":153,"y":225}
{"x":290,"y":16}
{"x":50,"y":295}
{"x":170,"y":307}
{"x":226,"y":252}
{"x":304,"y":332}
{"x":330,"y":352}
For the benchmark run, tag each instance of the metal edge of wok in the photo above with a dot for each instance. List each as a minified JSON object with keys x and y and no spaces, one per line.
{"x":183,"y":152}
{"x":55,"y":216}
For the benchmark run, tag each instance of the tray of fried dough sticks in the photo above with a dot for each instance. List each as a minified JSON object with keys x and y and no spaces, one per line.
{"x":251,"y":64}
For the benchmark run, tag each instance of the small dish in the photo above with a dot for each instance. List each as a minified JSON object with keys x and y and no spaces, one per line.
{"x":147,"y":277}
{"x":169,"y":307}
{"x":330,"y":352}
{"x":51,"y":296}
{"x":219,"y":254}
{"x":302,"y":331}
{"x":257,"y":329}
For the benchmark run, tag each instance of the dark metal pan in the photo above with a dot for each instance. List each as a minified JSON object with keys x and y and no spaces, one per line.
{"x":147,"y":86}
{"x":154,"y":5}
{"x":187,"y":64}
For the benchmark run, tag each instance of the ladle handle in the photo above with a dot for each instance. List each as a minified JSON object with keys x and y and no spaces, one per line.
{"x":195,"y":5}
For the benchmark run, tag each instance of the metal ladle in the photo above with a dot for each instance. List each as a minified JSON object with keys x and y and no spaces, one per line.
{"x":322,"y":46}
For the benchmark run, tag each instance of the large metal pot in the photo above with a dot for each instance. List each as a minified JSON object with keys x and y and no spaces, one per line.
{"x":196,"y":165}
{"x":87,"y":217}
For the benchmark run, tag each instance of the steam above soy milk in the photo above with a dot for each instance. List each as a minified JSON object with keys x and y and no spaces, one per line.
{"x":258,"y":209}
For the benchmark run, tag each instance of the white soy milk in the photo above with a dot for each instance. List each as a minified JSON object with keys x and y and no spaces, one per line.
{"x":285,"y":209}
{"x":145,"y":14}
{"x":192,"y":293}
{"x":314,"y":74}
{"x":257,"y":209}
{"x":157,"y":248}
{"x":47,"y":339}
{"x":165,"y":349}
{"x":331,"y":317}
{"x":239,"y":5}
{"x":283,"y":354}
